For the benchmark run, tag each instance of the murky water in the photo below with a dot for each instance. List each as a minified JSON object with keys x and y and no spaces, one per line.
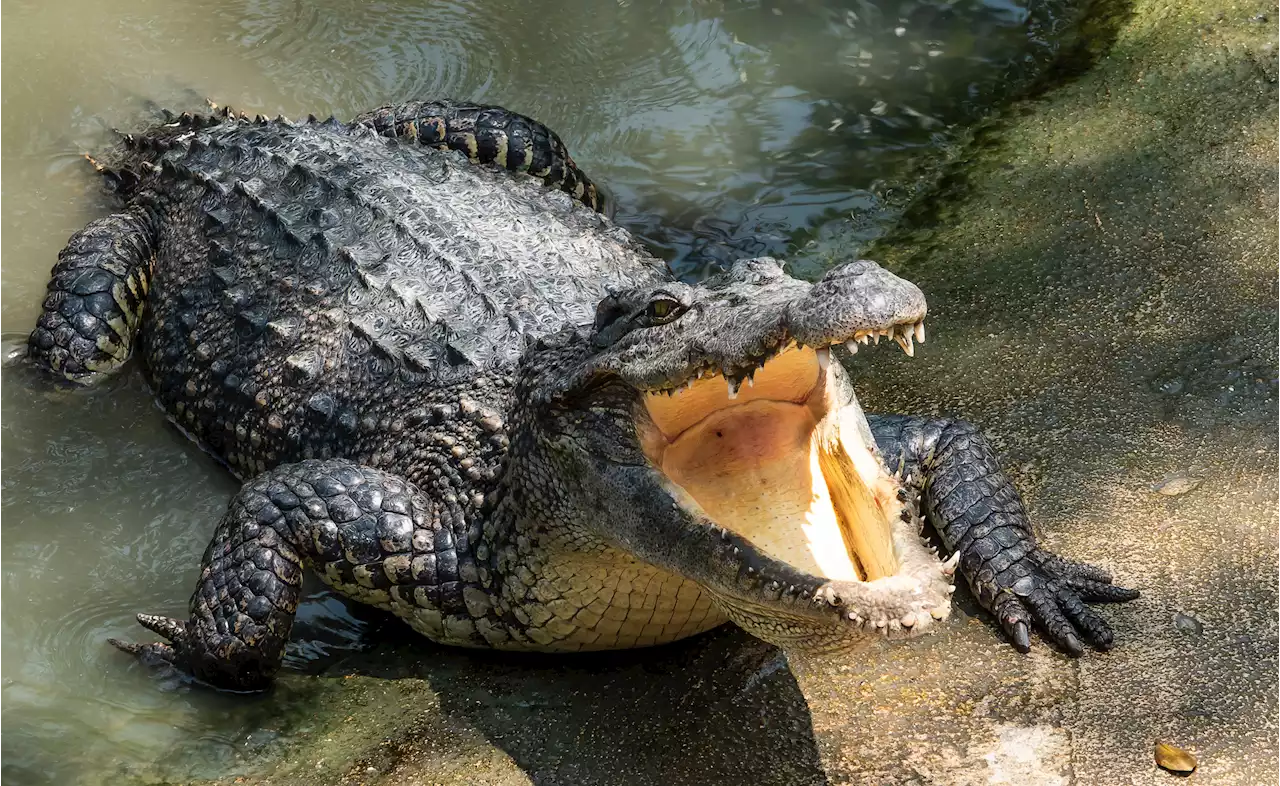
{"x":720,"y":128}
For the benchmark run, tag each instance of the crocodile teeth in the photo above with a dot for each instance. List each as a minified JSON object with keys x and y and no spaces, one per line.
{"x":949,"y":567}
{"x":824,"y":359}
{"x":852,"y":346}
{"x":919,"y":331}
{"x":733,"y":388}
{"x":904,"y":341}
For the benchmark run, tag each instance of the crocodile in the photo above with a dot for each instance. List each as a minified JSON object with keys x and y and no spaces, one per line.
{"x":458,"y":392}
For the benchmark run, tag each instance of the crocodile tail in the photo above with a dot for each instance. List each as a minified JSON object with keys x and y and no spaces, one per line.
{"x":487,"y":135}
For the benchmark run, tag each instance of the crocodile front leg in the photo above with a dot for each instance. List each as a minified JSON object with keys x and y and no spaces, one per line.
{"x":977,"y":512}
{"x":371,"y":535}
{"x":487,"y":135}
{"x":97,"y":295}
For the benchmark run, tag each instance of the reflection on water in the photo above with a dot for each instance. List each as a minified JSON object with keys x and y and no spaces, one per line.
{"x":720,"y":129}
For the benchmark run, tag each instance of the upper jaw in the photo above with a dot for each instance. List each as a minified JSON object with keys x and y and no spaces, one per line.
{"x":742,"y":370}
{"x":742,"y":319}
{"x":905,"y":334}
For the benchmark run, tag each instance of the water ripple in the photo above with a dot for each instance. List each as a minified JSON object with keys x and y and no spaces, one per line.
{"x":364,"y":54}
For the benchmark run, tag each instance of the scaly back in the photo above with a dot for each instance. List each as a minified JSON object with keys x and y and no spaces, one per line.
{"x":416,"y":260}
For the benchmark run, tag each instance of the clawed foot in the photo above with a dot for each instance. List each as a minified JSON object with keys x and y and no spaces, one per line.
{"x":158,"y":652}
{"x":223,"y":662}
{"x":1051,"y":592}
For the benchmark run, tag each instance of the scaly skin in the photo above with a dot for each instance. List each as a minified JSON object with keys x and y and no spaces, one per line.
{"x":977,"y":512}
{"x":431,"y":377}
{"x":487,"y":135}
{"x":96,"y":298}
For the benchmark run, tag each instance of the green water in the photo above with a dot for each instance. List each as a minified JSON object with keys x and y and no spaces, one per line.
{"x":720,"y":129}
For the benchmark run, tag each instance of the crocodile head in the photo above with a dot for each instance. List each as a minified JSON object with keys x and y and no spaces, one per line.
{"x":706,"y":430}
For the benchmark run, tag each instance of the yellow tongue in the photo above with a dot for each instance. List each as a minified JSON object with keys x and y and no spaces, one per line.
{"x":783,"y":464}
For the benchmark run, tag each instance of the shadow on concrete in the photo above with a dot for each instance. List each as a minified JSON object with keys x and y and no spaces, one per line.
{"x":1123,"y":314}
{"x":1102,"y":284}
{"x":721,"y":708}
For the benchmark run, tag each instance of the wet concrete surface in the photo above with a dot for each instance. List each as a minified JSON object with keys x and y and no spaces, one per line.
{"x":1101,"y":268}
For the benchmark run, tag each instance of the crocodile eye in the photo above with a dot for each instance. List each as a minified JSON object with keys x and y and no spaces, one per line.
{"x":664,"y":310}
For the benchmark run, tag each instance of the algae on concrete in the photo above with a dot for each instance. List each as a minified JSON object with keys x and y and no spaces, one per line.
{"x":1101,"y":264}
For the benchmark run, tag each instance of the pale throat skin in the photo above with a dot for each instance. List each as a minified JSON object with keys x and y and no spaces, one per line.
{"x":455,"y":391}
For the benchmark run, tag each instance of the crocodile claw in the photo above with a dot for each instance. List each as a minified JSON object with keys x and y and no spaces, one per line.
{"x":168,"y":627}
{"x":150,"y":654}
{"x":158,"y":652}
{"x":1021,"y":636}
{"x":1050,"y":592}
{"x":1091,"y":583}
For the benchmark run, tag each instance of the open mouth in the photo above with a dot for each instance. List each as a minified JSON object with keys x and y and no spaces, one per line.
{"x":784,"y":458}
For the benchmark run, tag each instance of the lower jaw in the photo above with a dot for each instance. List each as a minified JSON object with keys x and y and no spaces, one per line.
{"x":836,"y":617}
{"x":800,"y":633}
